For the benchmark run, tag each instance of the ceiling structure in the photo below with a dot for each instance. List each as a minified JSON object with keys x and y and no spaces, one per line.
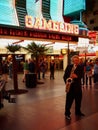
{"x":56,"y":45}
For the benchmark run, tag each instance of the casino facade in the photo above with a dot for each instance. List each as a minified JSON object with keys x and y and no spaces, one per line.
{"x":43,"y":20}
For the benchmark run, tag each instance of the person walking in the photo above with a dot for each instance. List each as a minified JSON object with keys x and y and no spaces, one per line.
{"x":42,"y":68}
{"x":82,"y":64}
{"x":10,"y":66}
{"x":96,"y":71}
{"x":26,"y":70}
{"x":31,"y":66}
{"x":74,"y":72}
{"x":5,"y":70}
{"x":88,"y":74}
{"x":52,"y":68}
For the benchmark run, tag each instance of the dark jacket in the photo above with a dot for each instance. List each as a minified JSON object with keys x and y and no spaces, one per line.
{"x":76,"y":84}
{"x":4,"y":68}
{"x":32,"y":67}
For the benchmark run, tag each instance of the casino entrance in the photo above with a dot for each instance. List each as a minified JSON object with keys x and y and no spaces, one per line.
{"x":54,"y":52}
{"x":49,"y":33}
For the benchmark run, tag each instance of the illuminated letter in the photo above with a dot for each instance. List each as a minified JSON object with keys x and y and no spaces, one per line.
{"x":55,"y":26}
{"x":71,"y":26}
{"x":44,"y":23}
{"x":62,"y":27}
{"x":37,"y":23}
{"x":65,"y":27}
{"x":76,"y":29}
{"x":28,"y":21}
{"x":47,"y":26}
{"x":68,"y":28}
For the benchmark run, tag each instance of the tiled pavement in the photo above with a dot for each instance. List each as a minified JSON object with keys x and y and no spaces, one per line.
{"x":42,"y":108}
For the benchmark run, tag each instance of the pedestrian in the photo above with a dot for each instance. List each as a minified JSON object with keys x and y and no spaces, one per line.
{"x":88,"y":74}
{"x":52,"y":69}
{"x":74,"y":72}
{"x":43,"y":67}
{"x":5,"y":70}
{"x":31,"y":66}
{"x":10,"y":69}
{"x":25,"y":69}
{"x":96,"y":71}
{"x":82,"y":64}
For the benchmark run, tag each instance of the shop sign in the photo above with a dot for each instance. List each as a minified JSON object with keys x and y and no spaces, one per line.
{"x":28,"y":33}
{"x":43,"y":24}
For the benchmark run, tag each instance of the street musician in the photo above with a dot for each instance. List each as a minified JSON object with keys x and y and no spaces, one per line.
{"x":74,"y":72}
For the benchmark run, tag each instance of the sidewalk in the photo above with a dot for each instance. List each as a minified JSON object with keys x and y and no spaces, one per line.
{"x":42,"y":108}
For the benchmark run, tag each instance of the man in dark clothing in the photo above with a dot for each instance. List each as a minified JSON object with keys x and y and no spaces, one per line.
{"x":52,"y":68}
{"x":5,"y":70}
{"x":75,"y":72}
{"x":31,"y":66}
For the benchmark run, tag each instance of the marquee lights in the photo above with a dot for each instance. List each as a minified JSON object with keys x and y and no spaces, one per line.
{"x":38,"y":23}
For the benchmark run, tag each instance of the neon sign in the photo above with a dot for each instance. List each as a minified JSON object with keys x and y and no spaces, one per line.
{"x":42,"y":24}
{"x":35,"y":33}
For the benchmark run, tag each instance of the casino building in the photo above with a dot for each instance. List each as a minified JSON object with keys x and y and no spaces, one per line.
{"x":43,"y":20}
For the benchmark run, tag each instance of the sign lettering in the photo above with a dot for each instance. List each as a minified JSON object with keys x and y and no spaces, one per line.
{"x":8,"y":31}
{"x":42,"y":24}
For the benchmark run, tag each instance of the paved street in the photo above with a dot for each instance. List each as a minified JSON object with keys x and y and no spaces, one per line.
{"x":42,"y":108}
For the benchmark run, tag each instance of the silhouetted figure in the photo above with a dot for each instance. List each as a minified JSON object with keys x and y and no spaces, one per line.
{"x":31,"y":66}
{"x":52,"y":69}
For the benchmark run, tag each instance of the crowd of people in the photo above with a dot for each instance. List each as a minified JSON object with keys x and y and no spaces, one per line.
{"x":90,"y":69}
{"x":29,"y":66}
{"x":41,"y":68}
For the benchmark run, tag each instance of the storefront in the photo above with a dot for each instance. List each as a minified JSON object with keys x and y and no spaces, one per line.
{"x":28,"y":20}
